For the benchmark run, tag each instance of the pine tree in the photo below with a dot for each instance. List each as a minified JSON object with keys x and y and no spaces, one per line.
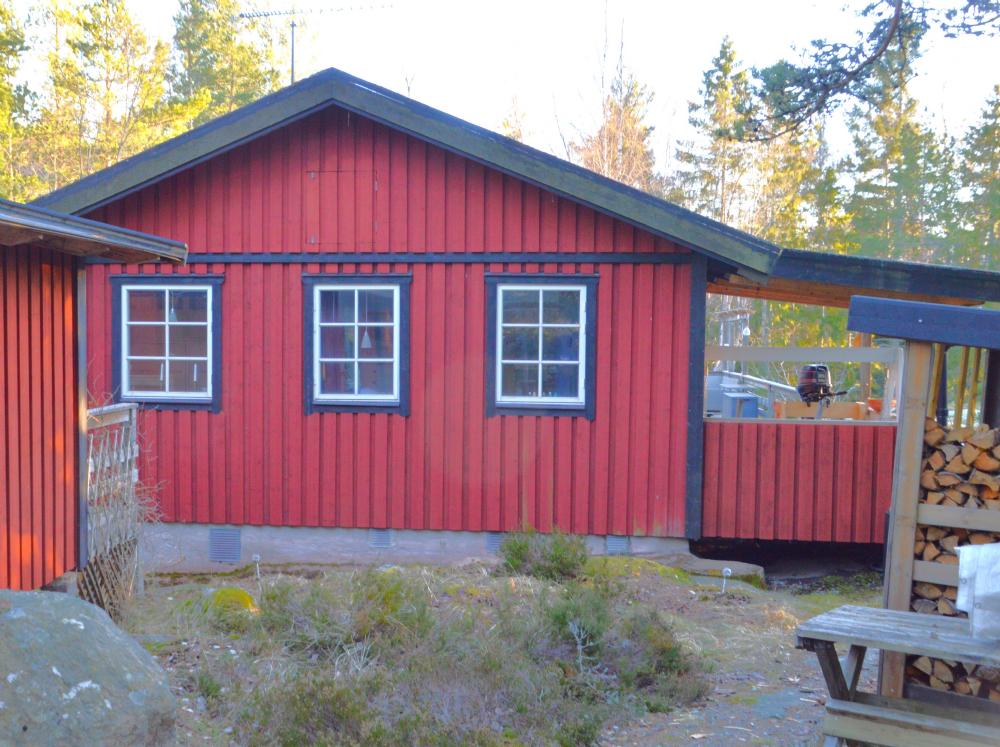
{"x":105,"y":99}
{"x":980,"y":212}
{"x":15,"y":182}
{"x":903,"y":201}
{"x":621,"y":147}
{"x":221,"y":62}
{"x":716,"y":170}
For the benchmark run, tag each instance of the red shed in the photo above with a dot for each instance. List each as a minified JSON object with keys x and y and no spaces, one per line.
{"x":41,"y":381}
{"x":392,"y":319}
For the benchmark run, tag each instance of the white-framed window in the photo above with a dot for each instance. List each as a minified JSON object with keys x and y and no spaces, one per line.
{"x":167,"y":341}
{"x":541,"y":343}
{"x":356,"y":332}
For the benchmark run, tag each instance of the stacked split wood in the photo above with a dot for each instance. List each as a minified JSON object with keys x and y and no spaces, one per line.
{"x":961,"y":469}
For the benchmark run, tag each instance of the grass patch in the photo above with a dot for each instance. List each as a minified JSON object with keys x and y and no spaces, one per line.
{"x":430,"y":656}
{"x":624,"y":566}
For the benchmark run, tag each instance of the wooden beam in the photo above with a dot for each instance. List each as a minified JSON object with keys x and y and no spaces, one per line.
{"x":800,"y":355}
{"x":905,"y":495}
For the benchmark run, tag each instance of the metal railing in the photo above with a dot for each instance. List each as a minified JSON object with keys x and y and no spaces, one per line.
{"x":890,"y":357}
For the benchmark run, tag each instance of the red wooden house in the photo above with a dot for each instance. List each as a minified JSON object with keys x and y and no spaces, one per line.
{"x":42,"y":395}
{"x":393,"y":319}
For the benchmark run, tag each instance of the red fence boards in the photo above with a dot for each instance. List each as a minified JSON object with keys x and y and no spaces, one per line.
{"x":38,"y":417}
{"x":797,"y":481}
{"x":337,"y":183}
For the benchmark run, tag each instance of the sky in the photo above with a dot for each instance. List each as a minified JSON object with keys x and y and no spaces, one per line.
{"x":474,"y":59}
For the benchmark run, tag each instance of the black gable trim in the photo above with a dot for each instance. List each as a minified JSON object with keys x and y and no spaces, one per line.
{"x":743,"y":252}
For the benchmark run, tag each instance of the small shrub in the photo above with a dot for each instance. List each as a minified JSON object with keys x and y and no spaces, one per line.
{"x":554,"y":556}
{"x":390,"y":608}
{"x":580,"y":616}
{"x":310,"y":710}
{"x":582,"y":731}
{"x":651,"y":661}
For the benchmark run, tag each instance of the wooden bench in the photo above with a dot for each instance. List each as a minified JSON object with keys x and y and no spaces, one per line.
{"x":855,"y":717}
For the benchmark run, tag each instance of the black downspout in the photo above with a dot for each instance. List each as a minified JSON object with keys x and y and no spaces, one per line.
{"x":80,"y":343}
{"x":941,"y":414}
{"x":991,"y":389}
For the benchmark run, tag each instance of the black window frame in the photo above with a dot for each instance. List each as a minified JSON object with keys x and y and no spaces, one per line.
{"x":400,"y":406}
{"x":118,"y":284}
{"x":588,"y":408}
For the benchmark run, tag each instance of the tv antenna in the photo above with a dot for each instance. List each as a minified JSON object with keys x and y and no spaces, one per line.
{"x":303,"y":11}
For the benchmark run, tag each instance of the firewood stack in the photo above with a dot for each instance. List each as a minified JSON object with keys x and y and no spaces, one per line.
{"x":961,"y":468}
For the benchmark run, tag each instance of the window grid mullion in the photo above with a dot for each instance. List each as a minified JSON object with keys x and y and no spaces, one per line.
{"x":357,"y":342}
{"x":166,"y":343}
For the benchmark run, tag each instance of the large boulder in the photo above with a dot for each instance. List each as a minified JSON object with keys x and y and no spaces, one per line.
{"x":70,"y":676}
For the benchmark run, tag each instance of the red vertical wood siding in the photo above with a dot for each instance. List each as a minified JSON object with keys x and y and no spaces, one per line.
{"x":38,"y":417}
{"x":797,"y":481}
{"x":335,"y":182}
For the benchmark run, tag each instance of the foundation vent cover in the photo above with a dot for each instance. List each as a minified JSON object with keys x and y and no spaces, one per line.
{"x":493,"y":541}
{"x":616,"y":545}
{"x":380,"y":539}
{"x":224,"y":545}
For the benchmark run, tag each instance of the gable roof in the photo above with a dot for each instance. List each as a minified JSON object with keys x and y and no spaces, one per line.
{"x":69,"y":234}
{"x":735,"y":250}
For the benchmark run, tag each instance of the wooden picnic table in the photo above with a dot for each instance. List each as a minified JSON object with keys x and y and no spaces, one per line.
{"x":857,"y":717}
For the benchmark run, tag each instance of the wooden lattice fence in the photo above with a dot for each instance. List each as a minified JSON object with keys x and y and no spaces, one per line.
{"x":115,"y":510}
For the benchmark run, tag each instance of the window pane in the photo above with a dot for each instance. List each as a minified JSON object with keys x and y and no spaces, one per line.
{"x":146,"y":339}
{"x":189,"y":376}
{"x":520,"y":306}
{"x":146,"y":306}
{"x":560,"y":344}
{"x":519,"y":380}
{"x":188,"y":306}
{"x":561,"y":307}
{"x":336,"y":378}
{"x":560,"y":381}
{"x":376,"y":342}
{"x":146,"y":376}
{"x":190,"y":342}
{"x":520,"y":343}
{"x":374,"y":378}
{"x":375,"y":306}
{"x":336,"y":306}
{"x":336,"y":342}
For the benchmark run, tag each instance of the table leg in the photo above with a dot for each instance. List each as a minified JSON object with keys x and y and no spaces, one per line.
{"x":855,"y":663}
{"x":832,"y":672}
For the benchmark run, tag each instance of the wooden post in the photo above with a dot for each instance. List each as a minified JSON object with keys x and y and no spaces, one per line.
{"x":974,"y":394}
{"x":913,"y":403}
{"x":963,"y":373}
{"x":865,"y":341}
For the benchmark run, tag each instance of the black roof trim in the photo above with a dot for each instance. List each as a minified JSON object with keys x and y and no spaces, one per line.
{"x":888,"y":275}
{"x":926,"y":322}
{"x":751,"y":256}
{"x":24,"y":224}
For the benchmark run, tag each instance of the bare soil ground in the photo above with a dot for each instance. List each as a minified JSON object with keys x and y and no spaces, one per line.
{"x":761,"y":689}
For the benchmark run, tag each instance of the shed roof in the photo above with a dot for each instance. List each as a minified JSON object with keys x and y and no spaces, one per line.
{"x":825,"y":279}
{"x":38,"y":226}
{"x":731,"y":249}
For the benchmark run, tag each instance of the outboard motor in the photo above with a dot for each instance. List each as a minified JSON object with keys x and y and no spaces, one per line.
{"x":814,"y":384}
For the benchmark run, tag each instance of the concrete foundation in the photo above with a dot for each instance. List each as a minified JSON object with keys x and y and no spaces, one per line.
{"x":185,"y":547}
